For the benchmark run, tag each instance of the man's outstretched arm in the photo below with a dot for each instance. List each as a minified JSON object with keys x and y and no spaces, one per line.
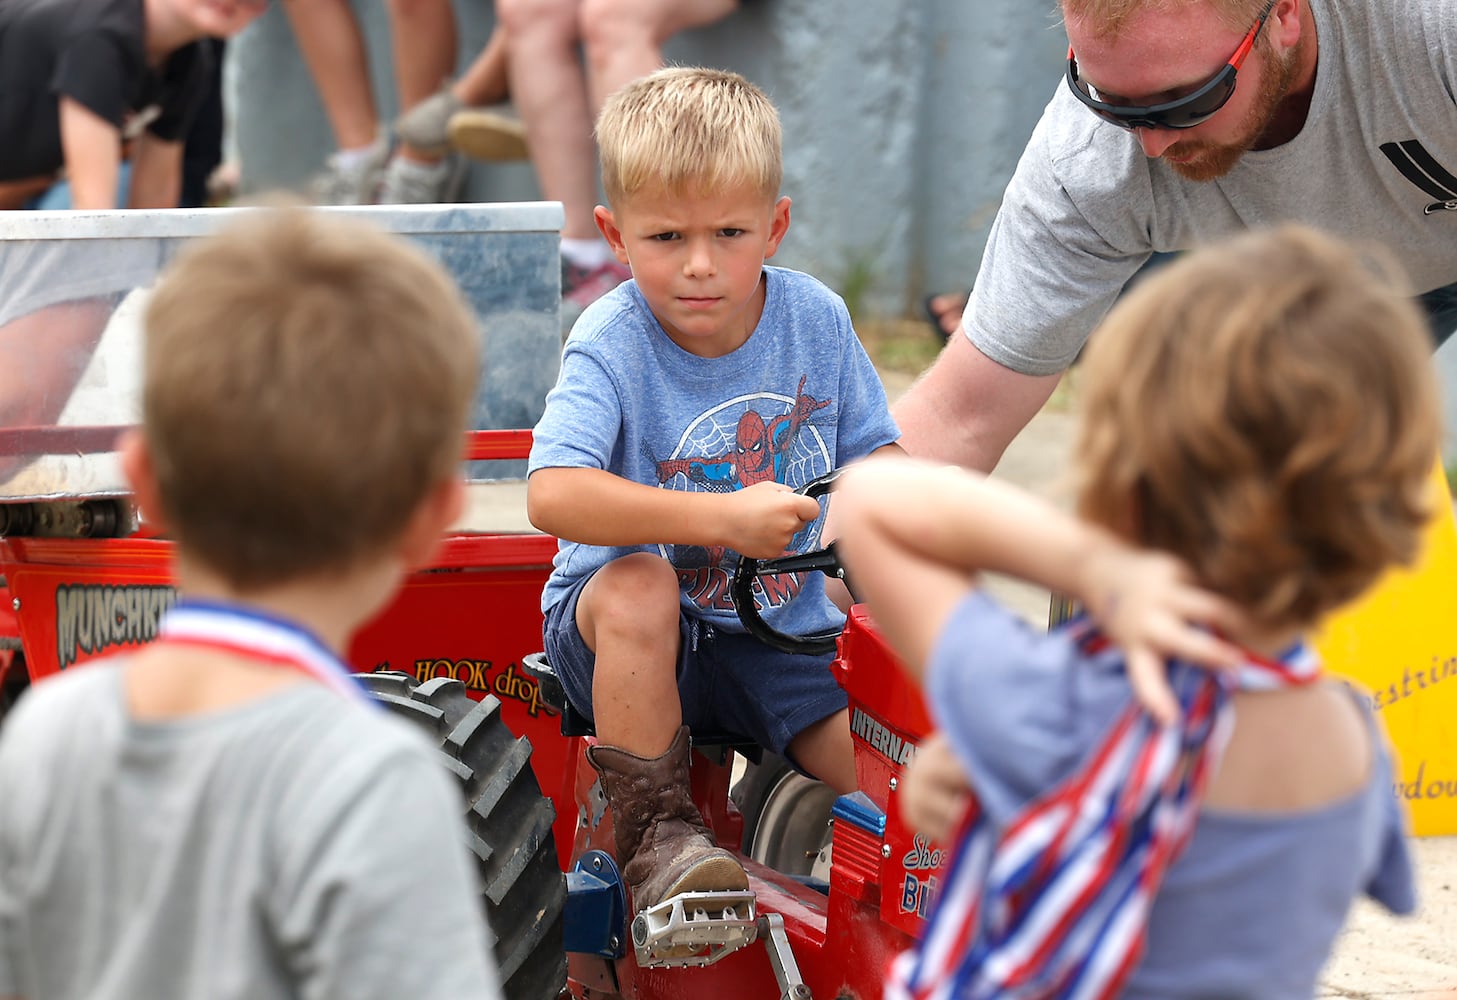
{"x":967,"y":408}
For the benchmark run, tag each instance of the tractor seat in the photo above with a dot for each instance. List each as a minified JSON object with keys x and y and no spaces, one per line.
{"x":574,"y":723}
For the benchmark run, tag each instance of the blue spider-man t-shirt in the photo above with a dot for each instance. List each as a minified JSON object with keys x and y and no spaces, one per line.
{"x":798,"y":399}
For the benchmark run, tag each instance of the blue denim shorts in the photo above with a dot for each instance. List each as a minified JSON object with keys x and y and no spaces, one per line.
{"x":728,"y":682}
{"x":1440,"y":305}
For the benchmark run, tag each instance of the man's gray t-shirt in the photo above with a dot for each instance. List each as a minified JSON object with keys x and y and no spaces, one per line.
{"x":1375,"y":160}
{"x":300,"y":845}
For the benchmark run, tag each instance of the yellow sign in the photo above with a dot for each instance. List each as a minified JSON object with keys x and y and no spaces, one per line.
{"x":1400,"y":643}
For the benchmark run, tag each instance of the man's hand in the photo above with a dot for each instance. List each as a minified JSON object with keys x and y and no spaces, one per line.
{"x":760,"y":520}
{"x":935,"y":790}
{"x":1147,"y":604}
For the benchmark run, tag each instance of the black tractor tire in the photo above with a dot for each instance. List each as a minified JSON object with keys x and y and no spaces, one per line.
{"x":786,"y":818}
{"x":17,"y":681}
{"x":509,"y":822}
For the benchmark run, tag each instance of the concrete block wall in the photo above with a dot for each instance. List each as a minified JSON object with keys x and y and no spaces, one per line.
{"x":903,"y":121}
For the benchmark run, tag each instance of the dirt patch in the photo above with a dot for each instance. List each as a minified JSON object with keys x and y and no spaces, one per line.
{"x":901,"y":346}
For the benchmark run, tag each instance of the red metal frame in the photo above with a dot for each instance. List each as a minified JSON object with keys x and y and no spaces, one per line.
{"x":843,"y":940}
{"x":95,"y":440}
{"x":59,"y":440}
{"x":473,"y":615}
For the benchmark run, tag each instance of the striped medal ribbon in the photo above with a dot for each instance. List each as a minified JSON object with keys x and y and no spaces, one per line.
{"x":258,"y":636}
{"x":1057,"y":904}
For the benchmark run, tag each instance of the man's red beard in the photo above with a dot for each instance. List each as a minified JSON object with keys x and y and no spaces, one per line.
{"x":1210,"y":161}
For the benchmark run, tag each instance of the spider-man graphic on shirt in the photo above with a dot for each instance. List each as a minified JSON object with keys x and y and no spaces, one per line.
{"x":761,"y":449}
{"x":758,"y":454}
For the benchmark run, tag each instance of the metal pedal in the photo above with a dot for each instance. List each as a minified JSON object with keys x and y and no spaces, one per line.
{"x":694,"y":929}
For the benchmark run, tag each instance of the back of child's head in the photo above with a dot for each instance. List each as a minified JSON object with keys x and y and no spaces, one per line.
{"x":1266,"y":410}
{"x":689,"y":131}
{"x":307,"y":383}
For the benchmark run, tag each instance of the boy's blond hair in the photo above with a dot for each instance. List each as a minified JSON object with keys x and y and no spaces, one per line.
{"x":307,"y":383}
{"x":1266,"y":410}
{"x":689,"y":130}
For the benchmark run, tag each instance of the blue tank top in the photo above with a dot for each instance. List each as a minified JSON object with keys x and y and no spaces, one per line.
{"x":1253,"y":906}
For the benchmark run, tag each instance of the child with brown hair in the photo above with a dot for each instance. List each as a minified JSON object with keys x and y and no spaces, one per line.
{"x":224,"y":813}
{"x":1258,"y":430}
{"x":693,"y":399}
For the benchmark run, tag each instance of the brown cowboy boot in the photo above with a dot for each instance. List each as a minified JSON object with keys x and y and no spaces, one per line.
{"x":662,"y":845}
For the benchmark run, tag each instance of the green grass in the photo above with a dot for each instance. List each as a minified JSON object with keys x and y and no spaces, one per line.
{"x":898,"y":345}
{"x":857,"y":281}
{"x":906,"y":355}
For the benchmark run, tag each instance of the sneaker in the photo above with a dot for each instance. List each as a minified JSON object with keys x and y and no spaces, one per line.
{"x":356,"y":184}
{"x":581,"y":286}
{"x":424,"y":127}
{"x":407,"y":182}
{"x":494,"y":134}
{"x":224,"y":183}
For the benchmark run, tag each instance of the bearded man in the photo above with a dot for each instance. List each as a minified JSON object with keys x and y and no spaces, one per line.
{"x":1180,"y":121}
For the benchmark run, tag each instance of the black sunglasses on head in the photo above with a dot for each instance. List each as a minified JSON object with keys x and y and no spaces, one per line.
{"x":1186,"y":111}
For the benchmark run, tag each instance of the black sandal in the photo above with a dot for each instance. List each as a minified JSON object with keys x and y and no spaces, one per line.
{"x":935,"y":318}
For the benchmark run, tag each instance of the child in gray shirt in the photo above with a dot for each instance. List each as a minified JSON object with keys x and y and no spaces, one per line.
{"x":224,"y":813}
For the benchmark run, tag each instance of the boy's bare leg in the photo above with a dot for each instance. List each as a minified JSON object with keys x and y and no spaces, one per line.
{"x":628,"y":616}
{"x":424,"y":40}
{"x":826,"y":751}
{"x":329,"y":38}
{"x":623,"y":39}
{"x":549,"y":90}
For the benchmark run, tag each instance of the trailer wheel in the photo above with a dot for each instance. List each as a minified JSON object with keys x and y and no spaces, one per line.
{"x":786,"y":818}
{"x":509,"y":821}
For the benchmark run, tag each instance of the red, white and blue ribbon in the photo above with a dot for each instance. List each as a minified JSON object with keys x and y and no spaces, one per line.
{"x":1057,"y":905}
{"x":253,"y":634}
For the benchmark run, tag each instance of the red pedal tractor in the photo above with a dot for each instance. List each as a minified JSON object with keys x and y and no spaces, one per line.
{"x":454,"y":652}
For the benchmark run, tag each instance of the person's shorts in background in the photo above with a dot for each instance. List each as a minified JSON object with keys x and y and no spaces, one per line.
{"x":1440,"y":305}
{"x":57,"y":197}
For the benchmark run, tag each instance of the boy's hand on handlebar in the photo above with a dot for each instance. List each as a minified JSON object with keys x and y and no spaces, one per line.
{"x":763,"y":518}
{"x":934,"y":790}
{"x":1148,"y":604}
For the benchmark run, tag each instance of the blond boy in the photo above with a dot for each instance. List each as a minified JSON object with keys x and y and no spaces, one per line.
{"x":224,"y":814}
{"x":692,"y":401}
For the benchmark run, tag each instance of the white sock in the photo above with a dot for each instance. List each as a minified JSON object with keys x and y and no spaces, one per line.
{"x":429,"y":172}
{"x":587,"y":253}
{"x":353,"y":159}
